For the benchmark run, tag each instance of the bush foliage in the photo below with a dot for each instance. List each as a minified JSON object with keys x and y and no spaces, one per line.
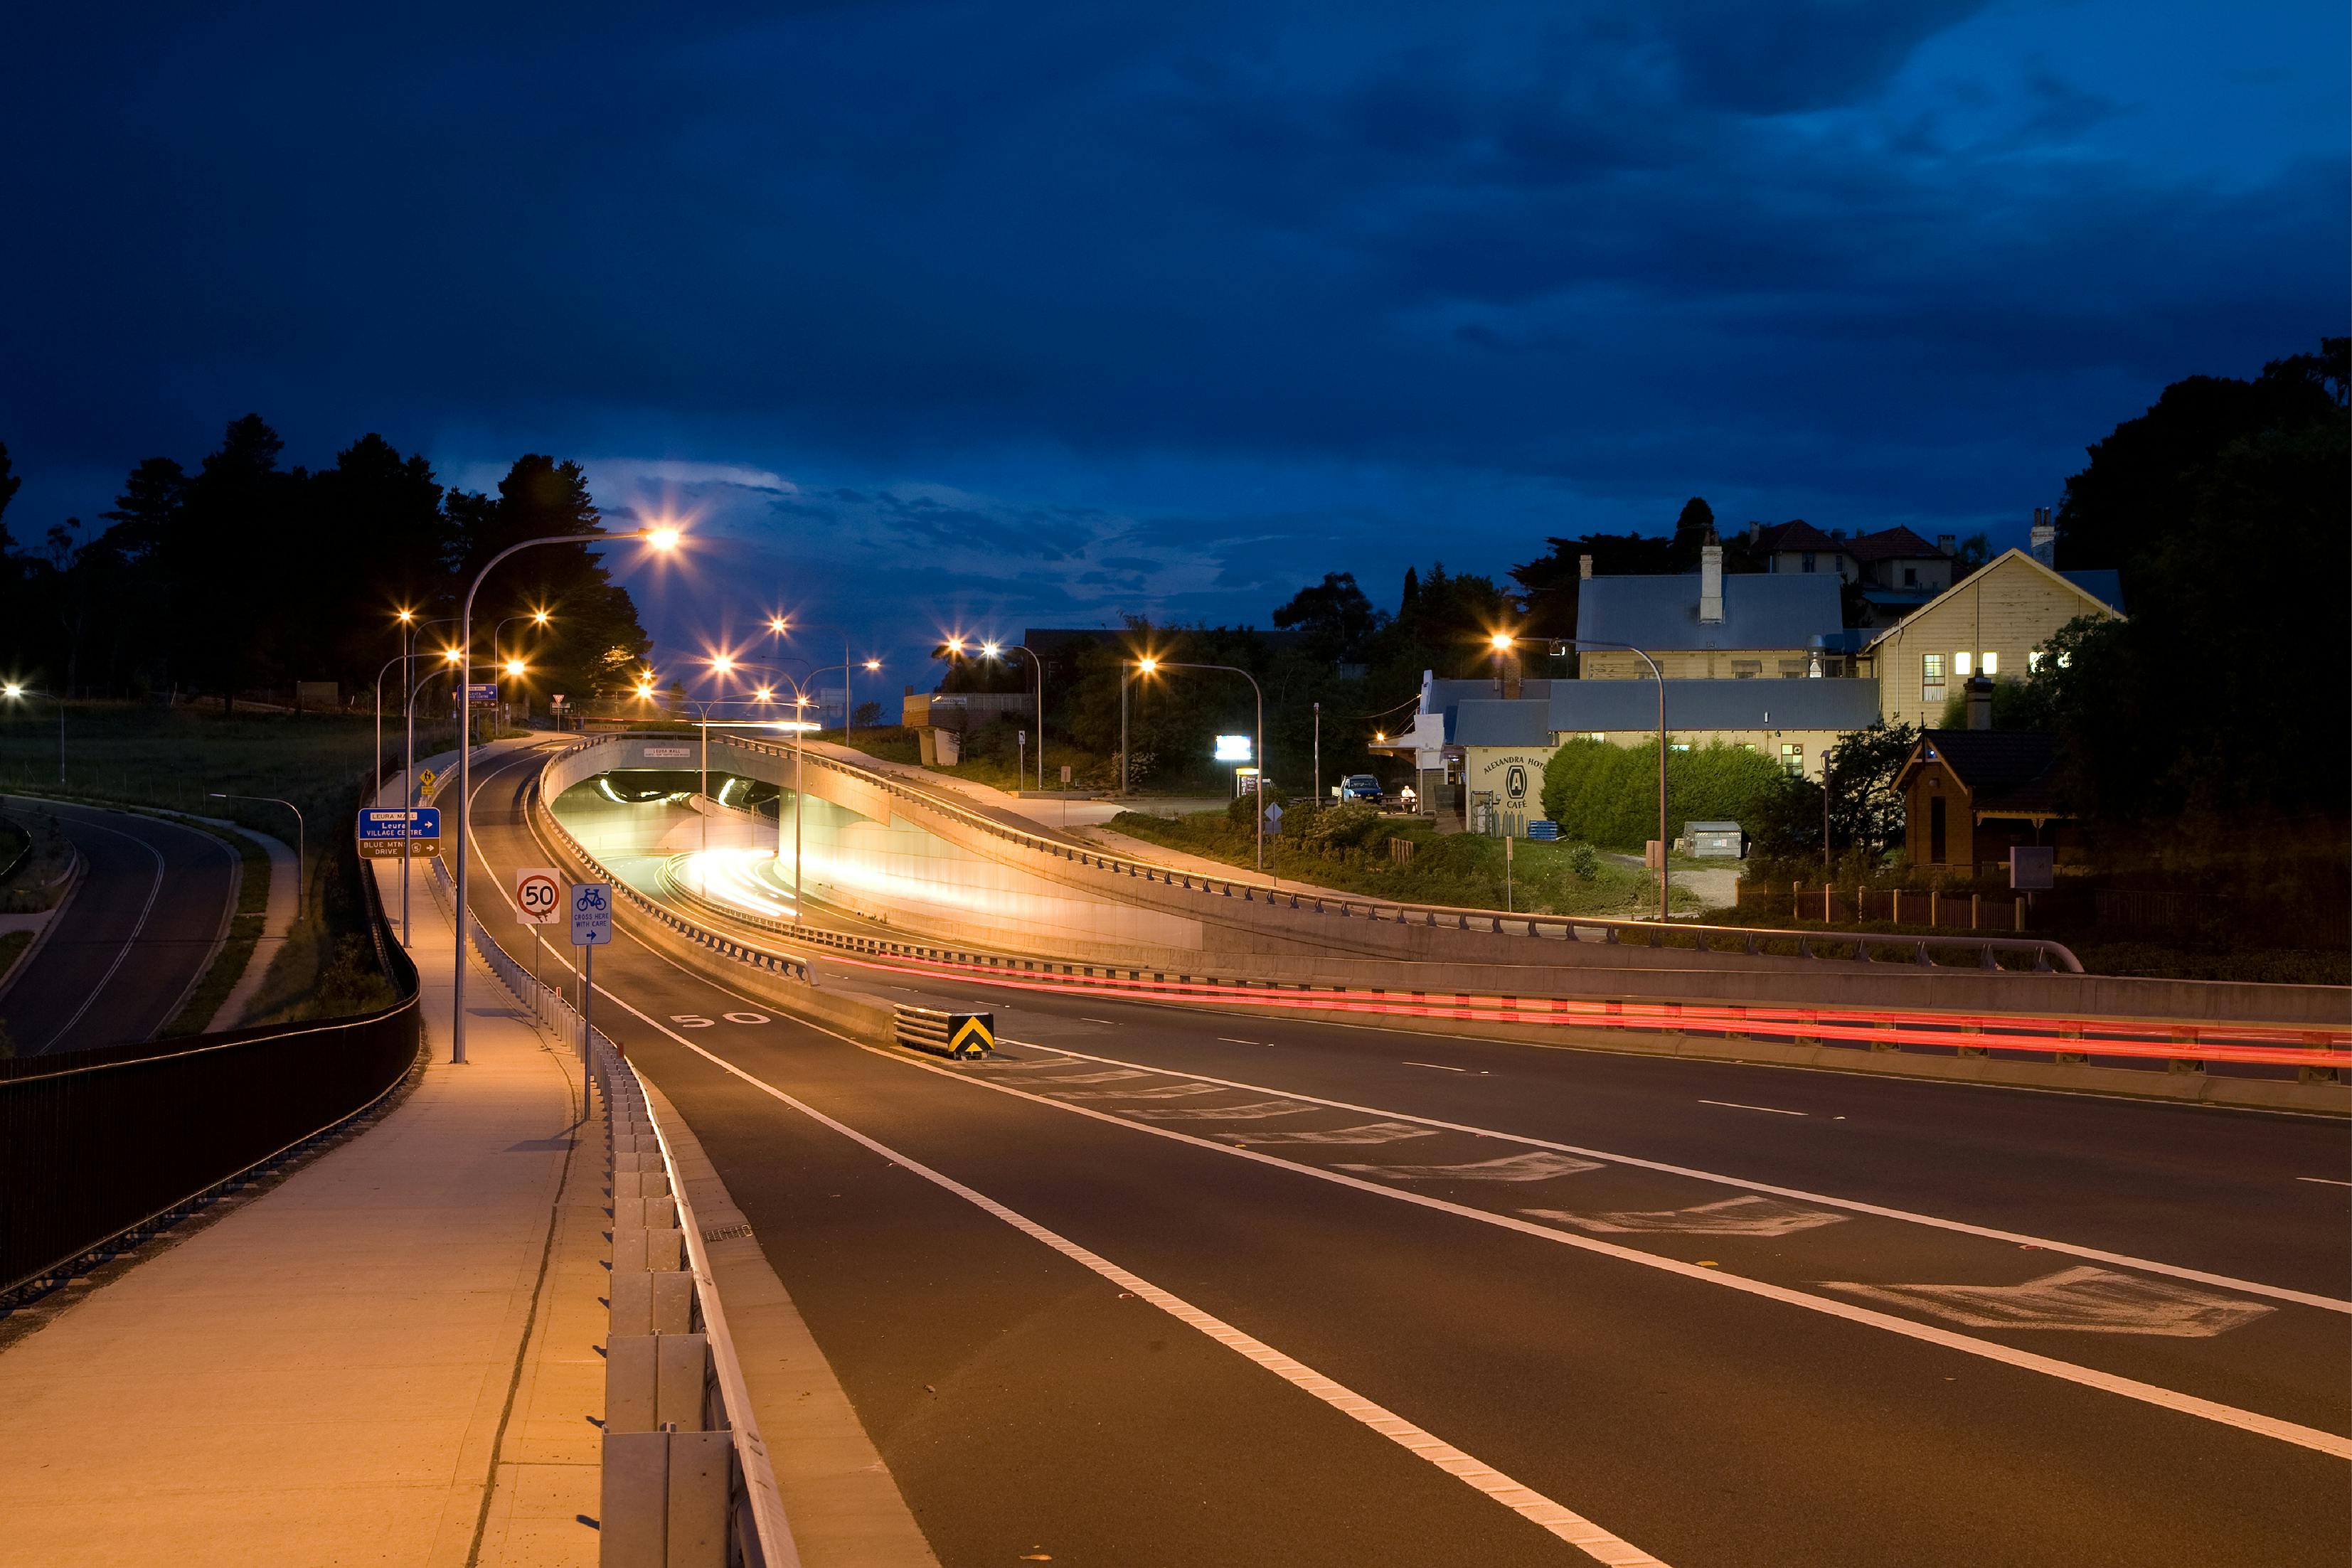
{"x":1608,"y":795}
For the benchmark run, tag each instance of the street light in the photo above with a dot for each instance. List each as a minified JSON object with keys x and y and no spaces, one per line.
{"x":1665,"y":874}
{"x":408,"y":771}
{"x":661,"y":539}
{"x":1144,"y":666}
{"x":997,"y":650}
{"x":17,"y":693}
{"x":782,"y":626}
{"x":299,"y":894}
{"x":1258,"y":815}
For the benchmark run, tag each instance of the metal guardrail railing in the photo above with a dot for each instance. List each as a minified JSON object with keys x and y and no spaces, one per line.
{"x":650,"y":1464}
{"x":2043,"y":955}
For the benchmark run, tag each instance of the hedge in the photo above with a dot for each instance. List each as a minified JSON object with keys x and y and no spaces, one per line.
{"x":1608,"y":795}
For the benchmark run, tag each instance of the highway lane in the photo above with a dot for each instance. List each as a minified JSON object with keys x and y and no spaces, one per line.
{"x":153,"y":902}
{"x":1700,"y":1422}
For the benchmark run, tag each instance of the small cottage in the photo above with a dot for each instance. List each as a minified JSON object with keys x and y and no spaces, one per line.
{"x":1970,"y":794}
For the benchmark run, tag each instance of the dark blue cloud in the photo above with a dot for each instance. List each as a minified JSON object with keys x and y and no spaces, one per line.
{"x":1053,"y":310}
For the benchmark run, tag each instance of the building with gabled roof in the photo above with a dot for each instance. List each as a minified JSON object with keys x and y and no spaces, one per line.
{"x":1993,"y":623}
{"x":1970,"y":795}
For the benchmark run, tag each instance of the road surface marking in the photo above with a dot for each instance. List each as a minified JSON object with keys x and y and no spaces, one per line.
{"x":2083,"y":1300}
{"x":1229,"y":1040}
{"x":1735,"y":1105}
{"x":1530,"y":1504}
{"x":1166,"y":1092}
{"x":1437,"y":1066}
{"x":1120,"y":1076}
{"x":1257,"y":1112}
{"x":1851,"y":1206}
{"x":1748,"y":1216}
{"x":2325,"y":1181}
{"x":1370,"y":1133}
{"x":1540,"y":1165}
{"x":154,"y":891}
{"x":1083,"y":1018}
{"x":2253,"y":1421}
{"x":2189,"y":1405}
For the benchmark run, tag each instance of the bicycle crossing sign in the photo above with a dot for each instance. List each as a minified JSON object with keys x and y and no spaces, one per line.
{"x":538,"y":897}
{"x":591,"y":913}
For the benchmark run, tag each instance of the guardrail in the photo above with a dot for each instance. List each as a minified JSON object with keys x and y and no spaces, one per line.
{"x":101,"y":1148}
{"x":688,"y":1482}
{"x":2318,"y":1055}
{"x":1986,"y":950}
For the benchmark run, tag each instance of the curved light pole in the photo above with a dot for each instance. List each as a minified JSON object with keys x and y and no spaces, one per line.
{"x":999,"y":651}
{"x":662,"y":538}
{"x":17,"y":693}
{"x":408,"y":777}
{"x":301,"y":894}
{"x":799,"y":728}
{"x":782,"y":626}
{"x":1666,"y":876}
{"x":1258,"y":813}
{"x":498,"y":662}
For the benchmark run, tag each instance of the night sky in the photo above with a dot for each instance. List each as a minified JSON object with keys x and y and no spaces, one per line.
{"x":1024,"y":314}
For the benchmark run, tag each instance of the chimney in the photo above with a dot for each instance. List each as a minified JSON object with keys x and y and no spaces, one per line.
{"x":1947,"y":544}
{"x":1710,"y":585}
{"x":1979,"y":695}
{"x":2043,"y":540}
{"x":1511,"y":675}
{"x":1584,"y":568}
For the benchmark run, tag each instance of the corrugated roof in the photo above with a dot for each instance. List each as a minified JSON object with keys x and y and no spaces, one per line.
{"x":1579,"y":707}
{"x":1492,"y":722}
{"x":1760,"y":609}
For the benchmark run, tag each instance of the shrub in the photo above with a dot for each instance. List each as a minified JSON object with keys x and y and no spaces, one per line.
{"x":1584,"y":861}
{"x":1607,"y":794}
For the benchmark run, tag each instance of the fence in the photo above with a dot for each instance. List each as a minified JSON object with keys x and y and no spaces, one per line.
{"x":99,"y":1147}
{"x":687,"y":1479}
{"x":1893,"y":906}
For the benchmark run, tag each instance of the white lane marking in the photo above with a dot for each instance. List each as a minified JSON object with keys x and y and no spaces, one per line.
{"x":2325,"y":1181}
{"x":1229,"y":1040}
{"x":1083,"y":1018}
{"x":1257,"y":1112}
{"x":1745,"y":1215}
{"x":1370,"y":1133}
{"x":1437,"y":1067}
{"x":1540,"y":1165}
{"x":154,"y":891}
{"x":2253,"y":1421}
{"x":1166,"y":1092}
{"x":1120,"y":1076}
{"x":1600,"y":1544}
{"x":1852,"y":1206}
{"x":1735,"y":1105}
{"x":2083,"y":1300}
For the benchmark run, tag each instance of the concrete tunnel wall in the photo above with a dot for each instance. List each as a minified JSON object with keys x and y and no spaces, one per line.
{"x":860,"y":853}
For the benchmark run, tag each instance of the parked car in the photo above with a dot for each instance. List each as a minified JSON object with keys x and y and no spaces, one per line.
{"x":1361,"y":786}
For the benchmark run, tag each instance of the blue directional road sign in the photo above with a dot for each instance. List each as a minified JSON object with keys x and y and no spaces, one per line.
{"x":591,"y":913}
{"x":483,"y":692}
{"x":380,"y":832}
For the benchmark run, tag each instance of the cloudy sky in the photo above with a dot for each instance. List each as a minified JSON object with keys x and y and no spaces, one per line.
{"x":991,"y":315}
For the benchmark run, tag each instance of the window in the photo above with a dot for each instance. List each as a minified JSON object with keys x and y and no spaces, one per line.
{"x":1793,"y":669}
{"x":1747,"y":746}
{"x":1809,"y":560}
{"x":1910,"y":577}
{"x":1678,"y":745}
{"x":1792,"y":757}
{"x":1961,"y":665}
{"x":1747,"y":669}
{"x":1596,"y":735}
{"x":1989,"y":663}
{"x":2033,"y":662}
{"x":1931,"y":678}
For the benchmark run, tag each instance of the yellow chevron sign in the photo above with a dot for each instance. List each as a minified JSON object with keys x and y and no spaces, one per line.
{"x":971,"y":1035}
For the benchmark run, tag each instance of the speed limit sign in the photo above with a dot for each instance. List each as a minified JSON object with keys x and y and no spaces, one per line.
{"x":538,"y":897}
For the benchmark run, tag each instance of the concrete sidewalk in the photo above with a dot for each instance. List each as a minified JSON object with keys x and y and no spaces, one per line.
{"x":387,"y":1358}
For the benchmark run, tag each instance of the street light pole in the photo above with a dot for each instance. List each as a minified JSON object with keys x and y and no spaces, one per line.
{"x":1317,"y":794}
{"x":1665,"y":874}
{"x":997,"y":650}
{"x":19,"y":694}
{"x":1258,"y":814}
{"x":660,"y":538}
{"x":408,"y":792}
{"x":299,"y":896}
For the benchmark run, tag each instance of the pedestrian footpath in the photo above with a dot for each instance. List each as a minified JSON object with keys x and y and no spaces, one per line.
{"x":387,"y":1358}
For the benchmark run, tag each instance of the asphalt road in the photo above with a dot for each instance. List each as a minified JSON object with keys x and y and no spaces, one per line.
{"x":155,"y":900}
{"x":1163,"y":1286}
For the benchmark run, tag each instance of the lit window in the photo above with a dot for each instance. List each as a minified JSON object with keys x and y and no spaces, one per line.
{"x":1991,"y":663}
{"x":1961,"y":665}
{"x":1931,"y":669}
{"x":1792,"y":757}
{"x":1747,"y":746}
{"x":2033,"y":662}
{"x":1596,"y":735}
{"x":1678,"y":745}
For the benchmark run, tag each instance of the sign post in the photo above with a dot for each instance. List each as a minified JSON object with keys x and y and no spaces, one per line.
{"x":591,"y":927}
{"x":538,"y":902}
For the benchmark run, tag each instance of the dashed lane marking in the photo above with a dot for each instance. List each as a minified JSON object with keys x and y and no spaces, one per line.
{"x":1735,"y":1105}
{"x":1745,"y":1215}
{"x":1538,"y":1165}
{"x":2324,"y":1181}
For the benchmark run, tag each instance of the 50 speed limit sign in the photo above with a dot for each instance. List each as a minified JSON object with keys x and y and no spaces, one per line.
{"x":538,"y":897}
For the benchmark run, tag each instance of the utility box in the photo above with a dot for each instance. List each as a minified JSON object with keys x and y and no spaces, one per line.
{"x":2032,"y":868}
{"x":1715,"y":840}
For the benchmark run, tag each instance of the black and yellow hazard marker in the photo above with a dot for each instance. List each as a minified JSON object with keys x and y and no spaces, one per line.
{"x":962,"y":1037}
{"x":971,"y":1034}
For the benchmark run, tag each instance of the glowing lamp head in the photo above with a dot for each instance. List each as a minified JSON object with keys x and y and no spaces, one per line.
{"x":539,"y":617}
{"x":799,"y":699}
{"x":452,"y":654}
{"x":514,"y":667}
{"x":1147,"y":665}
{"x":662,"y":539}
{"x":406,"y":617}
{"x":645,"y":688}
{"x":723,"y":664}
{"x":954,"y":644}
{"x":779,"y":625}
{"x":1500,"y":641}
{"x":12,"y":691}
{"x":872,"y":663}
{"x":993,"y":650}
{"x":1379,"y":735}
{"x":766,"y":693}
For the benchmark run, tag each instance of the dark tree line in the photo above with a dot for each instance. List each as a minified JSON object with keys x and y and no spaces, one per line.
{"x":246,"y":575}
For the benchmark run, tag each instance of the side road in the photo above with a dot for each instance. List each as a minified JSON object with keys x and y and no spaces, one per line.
{"x":388,"y":1358}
